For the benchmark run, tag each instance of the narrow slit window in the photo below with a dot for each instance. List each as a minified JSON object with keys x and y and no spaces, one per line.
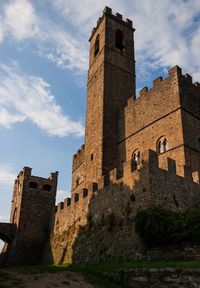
{"x":119,"y":40}
{"x":96,"y":46}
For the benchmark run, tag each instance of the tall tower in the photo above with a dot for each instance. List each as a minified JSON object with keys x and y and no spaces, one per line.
{"x":111,"y":81}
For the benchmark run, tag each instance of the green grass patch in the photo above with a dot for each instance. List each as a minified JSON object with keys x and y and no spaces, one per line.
{"x":98,"y":273}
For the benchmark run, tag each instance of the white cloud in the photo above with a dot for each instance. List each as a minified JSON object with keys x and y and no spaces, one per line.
{"x":7,"y":176}
{"x":61,"y":195}
{"x":20,"y":19}
{"x":3,"y":218}
{"x":24,"y":97}
{"x":82,"y":14}
{"x":167,"y":32}
{"x":1,"y":33}
{"x":63,"y":49}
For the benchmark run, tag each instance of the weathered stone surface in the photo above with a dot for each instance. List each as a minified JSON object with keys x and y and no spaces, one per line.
{"x":153,"y":278}
{"x":137,"y":152}
{"x":117,"y":125}
{"x":31,"y":217}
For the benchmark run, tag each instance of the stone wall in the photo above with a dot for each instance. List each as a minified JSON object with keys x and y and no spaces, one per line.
{"x":32,"y":212}
{"x":103,"y":224}
{"x":153,"y":278}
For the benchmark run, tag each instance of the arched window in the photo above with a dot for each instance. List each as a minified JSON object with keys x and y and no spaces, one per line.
{"x":165,"y":145}
{"x":162,"y":145}
{"x":47,"y":187}
{"x":135,"y":160}
{"x":33,"y":185}
{"x":119,"y":39}
{"x":96,"y":46}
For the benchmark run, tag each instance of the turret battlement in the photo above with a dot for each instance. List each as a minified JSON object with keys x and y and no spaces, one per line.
{"x":78,"y":157}
{"x":176,"y":71}
{"x":117,"y":16}
{"x":26,"y":182}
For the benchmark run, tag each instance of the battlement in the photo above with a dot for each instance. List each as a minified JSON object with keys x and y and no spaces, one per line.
{"x":152,"y":161}
{"x":176,"y":71}
{"x":25,"y":178}
{"x":78,"y":158}
{"x":117,"y":16}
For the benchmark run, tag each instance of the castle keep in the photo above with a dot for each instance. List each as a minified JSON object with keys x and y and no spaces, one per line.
{"x":137,"y":151}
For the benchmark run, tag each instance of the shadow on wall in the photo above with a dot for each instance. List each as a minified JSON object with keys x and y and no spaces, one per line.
{"x":108,"y":232}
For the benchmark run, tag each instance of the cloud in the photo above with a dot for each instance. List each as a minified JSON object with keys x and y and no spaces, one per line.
{"x":63,"y":49}
{"x":1,"y":33}
{"x":20,"y":19}
{"x":61,"y":195}
{"x":27,"y":97}
{"x":7,"y":176}
{"x":167,"y":32}
{"x":3,"y":218}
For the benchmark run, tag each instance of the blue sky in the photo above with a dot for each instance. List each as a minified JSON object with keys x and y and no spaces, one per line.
{"x":43,"y":71}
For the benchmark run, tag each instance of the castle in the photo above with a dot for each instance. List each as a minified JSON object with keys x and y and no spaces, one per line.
{"x":137,"y":152}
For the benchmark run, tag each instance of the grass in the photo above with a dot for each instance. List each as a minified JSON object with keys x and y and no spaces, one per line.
{"x":95,"y":272}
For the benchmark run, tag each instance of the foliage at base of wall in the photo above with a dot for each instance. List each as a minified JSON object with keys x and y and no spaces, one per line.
{"x":158,"y":226}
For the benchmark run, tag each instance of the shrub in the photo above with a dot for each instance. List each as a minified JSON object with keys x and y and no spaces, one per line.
{"x":153,"y":225}
{"x":158,"y":226}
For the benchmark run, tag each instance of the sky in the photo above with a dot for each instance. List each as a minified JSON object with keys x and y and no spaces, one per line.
{"x":43,"y":73}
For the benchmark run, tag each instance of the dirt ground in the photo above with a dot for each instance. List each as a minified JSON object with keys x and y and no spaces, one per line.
{"x":63,"y":279}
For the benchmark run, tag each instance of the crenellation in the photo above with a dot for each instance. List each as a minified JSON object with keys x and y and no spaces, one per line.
{"x":171,"y":165}
{"x":107,"y":10}
{"x":175,"y":71}
{"x":196,"y":176}
{"x":99,"y":21}
{"x":119,"y":16}
{"x":152,"y":159}
{"x":113,"y":175}
{"x":67,"y":202}
{"x":197,"y":84}
{"x":137,"y":152}
{"x":116,"y":16}
{"x":188,"y":77}
{"x":143,"y":91}
{"x":157,"y":81}
{"x":60,"y":206}
{"x":129,"y":22}
{"x":78,"y":157}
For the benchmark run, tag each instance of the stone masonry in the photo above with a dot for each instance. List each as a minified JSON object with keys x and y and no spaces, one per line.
{"x":146,"y":149}
{"x":31,"y":215}
{"x":137,"y":152}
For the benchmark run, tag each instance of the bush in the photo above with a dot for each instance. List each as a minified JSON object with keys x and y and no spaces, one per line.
{"x":158,"y":226}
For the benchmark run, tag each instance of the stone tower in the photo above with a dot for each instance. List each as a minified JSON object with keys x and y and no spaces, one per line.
{"x":111,"y":81}
{"x":33,"y":206}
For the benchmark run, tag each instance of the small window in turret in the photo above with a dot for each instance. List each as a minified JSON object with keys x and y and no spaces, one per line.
{"x":47,"y":187}
{"x":96,"y":46}
{"x":119,"y":40}
{"x":33,"y":185}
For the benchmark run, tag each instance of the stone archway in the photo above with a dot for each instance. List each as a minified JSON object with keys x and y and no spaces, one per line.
{"x":7,"y":234}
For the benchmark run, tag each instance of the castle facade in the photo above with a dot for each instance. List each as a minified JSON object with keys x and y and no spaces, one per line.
{"x":137,"y":152}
